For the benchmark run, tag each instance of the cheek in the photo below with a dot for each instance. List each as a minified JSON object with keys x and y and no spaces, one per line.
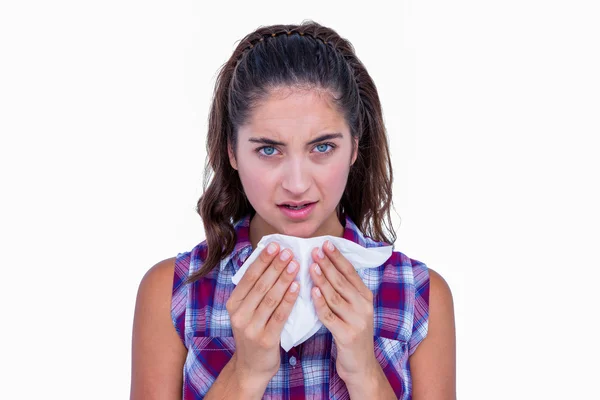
{"x":333,"y":178}
{"x":257,"y":182}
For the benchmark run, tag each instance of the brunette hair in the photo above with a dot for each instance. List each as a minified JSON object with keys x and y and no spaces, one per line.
{"x":308,"y":55}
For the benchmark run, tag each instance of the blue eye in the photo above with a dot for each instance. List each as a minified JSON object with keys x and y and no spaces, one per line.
{"x":268,"y":150}
{"x":323,"y":147}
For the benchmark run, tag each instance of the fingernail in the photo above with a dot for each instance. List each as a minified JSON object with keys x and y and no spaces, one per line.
{"x":318,"y":292}
{"x":285,"y":255}
{"x":292,"y":266}
{"x":318,"y":270}
{"x":294,"y":287}
{"x":272,"y":248}
{"x":320,"y":254}
{"x":330,"y":245}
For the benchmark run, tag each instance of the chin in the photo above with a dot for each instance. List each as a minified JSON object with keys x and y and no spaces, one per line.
{"x":302,"y":229}
{"x":299,"y":229}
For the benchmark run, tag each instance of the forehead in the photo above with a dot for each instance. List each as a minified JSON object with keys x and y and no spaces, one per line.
{"x":295,"y":111}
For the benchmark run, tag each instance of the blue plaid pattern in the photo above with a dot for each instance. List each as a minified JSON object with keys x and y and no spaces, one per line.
{"x":401,"y":304}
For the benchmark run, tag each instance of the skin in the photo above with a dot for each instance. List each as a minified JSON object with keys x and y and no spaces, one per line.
{"x":262,"y":301}
{"x":259,"y":307}
{"x":295,"y":171}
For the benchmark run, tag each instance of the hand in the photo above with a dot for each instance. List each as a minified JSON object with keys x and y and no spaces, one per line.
{"x":344,"y":305}
{"x":258,"y":308}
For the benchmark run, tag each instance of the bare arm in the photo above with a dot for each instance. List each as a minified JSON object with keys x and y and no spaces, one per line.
{"x":158,"y":354}
{"x":433,"y":364}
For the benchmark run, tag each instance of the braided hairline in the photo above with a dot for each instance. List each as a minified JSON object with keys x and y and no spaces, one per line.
{"x":315,"y":32}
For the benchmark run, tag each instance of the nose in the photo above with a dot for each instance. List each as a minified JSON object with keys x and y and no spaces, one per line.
{"x":296,"y":176}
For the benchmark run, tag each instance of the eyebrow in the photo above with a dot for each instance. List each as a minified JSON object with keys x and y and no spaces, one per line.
{"x":327,"y":136}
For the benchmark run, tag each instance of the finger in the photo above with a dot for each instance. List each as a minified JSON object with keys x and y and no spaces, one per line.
{"x":347,"y":269}
{"x":275,"y":295}
{"x":265,"y":282}
{"x":334,"y":299}
{"x":282,"y":312}
{"x":253,"y":273}
{"x":337,"y":280}
{"x":326,"y":315}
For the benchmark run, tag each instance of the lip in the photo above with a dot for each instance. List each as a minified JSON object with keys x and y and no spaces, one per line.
{"x":297,"y":203}
{"x":297,"y":214}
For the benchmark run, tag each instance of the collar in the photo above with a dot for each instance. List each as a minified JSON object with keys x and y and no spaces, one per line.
{"x":243,"y":246}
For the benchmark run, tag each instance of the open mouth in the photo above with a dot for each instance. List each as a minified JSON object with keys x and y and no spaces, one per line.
{"x":296,"y":207}
{"x":298,"y":212}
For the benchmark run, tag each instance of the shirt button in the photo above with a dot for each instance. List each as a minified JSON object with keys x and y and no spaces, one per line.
{"x":292,"y":361}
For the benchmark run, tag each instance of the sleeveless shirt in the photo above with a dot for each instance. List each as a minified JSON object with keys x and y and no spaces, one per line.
{"x":401,"y":312}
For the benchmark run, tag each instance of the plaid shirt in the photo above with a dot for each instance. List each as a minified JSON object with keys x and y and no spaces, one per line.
{"x":401,"y":310}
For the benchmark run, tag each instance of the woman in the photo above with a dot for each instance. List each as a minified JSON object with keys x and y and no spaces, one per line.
{"x":297,"y":144}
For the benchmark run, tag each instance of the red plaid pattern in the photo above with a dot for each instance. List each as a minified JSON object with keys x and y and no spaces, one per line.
{"x":401,"y":304}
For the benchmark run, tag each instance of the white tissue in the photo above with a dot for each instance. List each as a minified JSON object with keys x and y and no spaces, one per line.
{"x":303,"y":321}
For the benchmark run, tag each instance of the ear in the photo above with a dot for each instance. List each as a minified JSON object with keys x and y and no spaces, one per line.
{"x":231,"y":155}
{"x":355,"y":152}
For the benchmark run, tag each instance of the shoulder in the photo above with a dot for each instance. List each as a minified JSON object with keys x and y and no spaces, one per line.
{"x":434,"y":304}
{"x":157,"y":352}
{"x":437,"y":294}
{"x":161,"y":269}
{"x":439,"y":291}
{"x":435,"y":358}
{"x":156,"y":285}
{"x":441,"y":306}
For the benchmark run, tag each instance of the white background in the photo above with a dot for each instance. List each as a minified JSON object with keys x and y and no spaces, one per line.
{"x":492,"y":113}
